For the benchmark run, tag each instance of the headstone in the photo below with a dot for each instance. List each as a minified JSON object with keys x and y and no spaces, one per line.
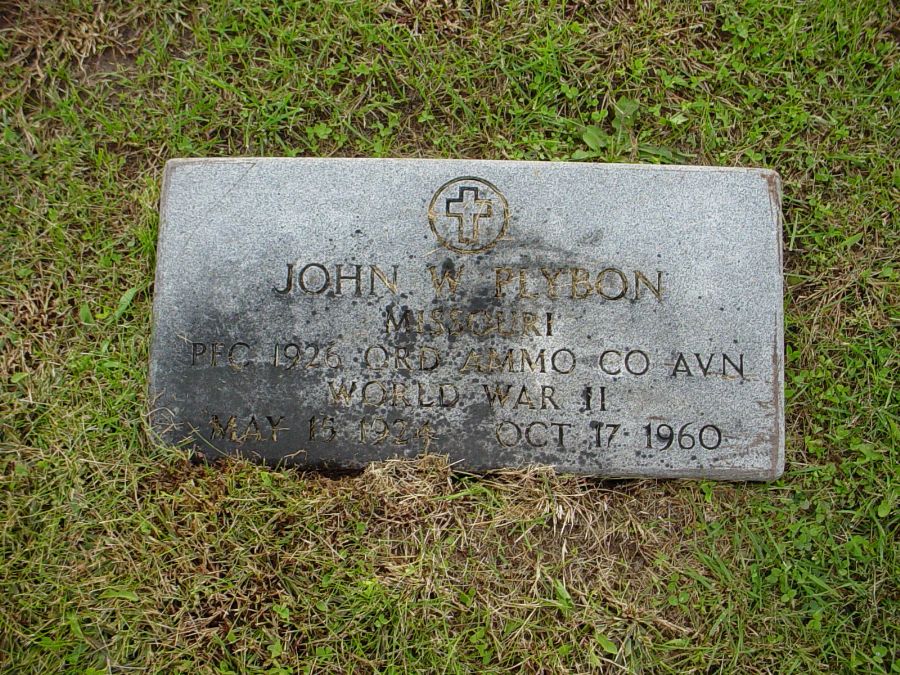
{"x":614,"y":320}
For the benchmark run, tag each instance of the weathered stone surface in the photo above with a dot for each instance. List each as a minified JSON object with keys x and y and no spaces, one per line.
{"x":605,"y":319}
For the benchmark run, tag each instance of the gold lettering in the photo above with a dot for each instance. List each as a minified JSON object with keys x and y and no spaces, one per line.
{"x":529,"y":324}
{"x":376,"y":349}
{"x":524,"y":399}
{"x":551,"y":278}
{"x":523,"y":286}
{"x":449,"y":276}
{"x":580,"y":279}
{"x":252,"y":430}
{"x":499,"y":395}
{"x":228,"y":431}
{"x":435,"y":358}
{"x":486,"y":327}
{"x":547,"y":396}
{"x":502,"y":277}
{"x":341,"y":395}
{"x":495,"y":364}
{"x":437,"y":322}
{"x":623,"y":280}
{"x":317,"y":426}
{"x":401,"y":359}
{"x":424,"y":402}
{"x":398,"y":325}
{"x":456,"y":325}
{"x":365,"y":393}
{"x":656,"y":290}
{"x":376,"y":273}
{"x":399,"y":392}
{"x":473,"y":362}
{"x":501,"y":316}
{"x":339,"y":278}
{"x":274,"y":424}
{"x":536,"y":366}
{"x":442,"y":395}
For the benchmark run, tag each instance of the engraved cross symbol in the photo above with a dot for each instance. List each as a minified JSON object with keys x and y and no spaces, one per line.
{"x":467,"y":208}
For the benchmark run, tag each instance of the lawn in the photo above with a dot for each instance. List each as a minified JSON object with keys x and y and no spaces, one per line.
{"x":120,"y":555}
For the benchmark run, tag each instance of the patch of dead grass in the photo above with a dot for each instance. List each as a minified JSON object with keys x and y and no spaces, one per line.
{"x":42,"y":33}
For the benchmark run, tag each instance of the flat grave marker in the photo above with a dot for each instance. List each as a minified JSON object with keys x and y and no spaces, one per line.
{"x":613,"y":320}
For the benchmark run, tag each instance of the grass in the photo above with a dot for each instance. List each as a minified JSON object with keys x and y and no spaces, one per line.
{"x":117,"y":555}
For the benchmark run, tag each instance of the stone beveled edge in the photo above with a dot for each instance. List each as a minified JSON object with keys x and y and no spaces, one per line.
{"x":774,"y":189}
{"x":163,"y":425}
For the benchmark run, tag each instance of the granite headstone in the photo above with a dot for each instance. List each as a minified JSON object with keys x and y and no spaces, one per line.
{"x":616,"y":320}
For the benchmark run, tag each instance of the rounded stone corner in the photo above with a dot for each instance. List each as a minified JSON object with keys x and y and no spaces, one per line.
{"x":773,"y":181}
{"x":775,"y":473}
{"x":172,"y":164}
